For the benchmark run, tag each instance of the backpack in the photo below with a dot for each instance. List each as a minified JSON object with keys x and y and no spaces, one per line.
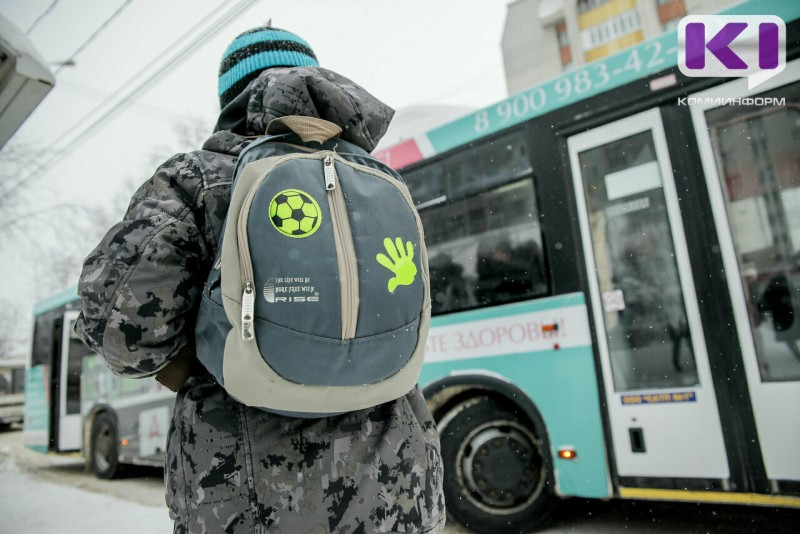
{"x":319,"y":300}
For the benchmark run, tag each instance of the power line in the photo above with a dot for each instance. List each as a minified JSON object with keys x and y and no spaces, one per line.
{"x":182,"y":55}
{"x":108,"y":102}
{"x":40,"y":17}
{"x":99,"y":96}
{"x":94,"y":35}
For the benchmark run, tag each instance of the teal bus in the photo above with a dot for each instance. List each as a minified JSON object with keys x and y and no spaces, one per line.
{"x":615,"y":283}
{"x":75,"y":405}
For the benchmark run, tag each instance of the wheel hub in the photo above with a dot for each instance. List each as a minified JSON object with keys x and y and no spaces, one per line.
{"x":501,"y":466}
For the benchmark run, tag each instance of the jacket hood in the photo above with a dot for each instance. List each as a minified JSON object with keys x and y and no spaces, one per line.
{"x":311,"y":92}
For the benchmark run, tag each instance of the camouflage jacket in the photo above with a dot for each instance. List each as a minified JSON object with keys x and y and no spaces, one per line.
{"x":231,"y":468}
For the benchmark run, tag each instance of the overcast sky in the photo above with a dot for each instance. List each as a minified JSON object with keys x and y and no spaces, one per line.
{"x":407,"y":52}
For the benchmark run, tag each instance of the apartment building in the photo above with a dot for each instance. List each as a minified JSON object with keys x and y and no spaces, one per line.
{"x":543,"y":38}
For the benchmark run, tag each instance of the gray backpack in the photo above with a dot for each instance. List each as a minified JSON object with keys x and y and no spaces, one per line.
{"x":319,"y":301}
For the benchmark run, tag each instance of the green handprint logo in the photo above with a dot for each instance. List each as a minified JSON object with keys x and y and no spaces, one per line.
{"x":401,"y":263}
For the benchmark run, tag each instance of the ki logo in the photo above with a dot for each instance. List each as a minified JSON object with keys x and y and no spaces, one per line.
{"x":728,"y":46}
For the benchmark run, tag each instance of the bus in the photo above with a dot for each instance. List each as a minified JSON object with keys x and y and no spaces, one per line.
{"x":615,"y":279}
{"x":12,"y":391}
{"x":75,"y":405}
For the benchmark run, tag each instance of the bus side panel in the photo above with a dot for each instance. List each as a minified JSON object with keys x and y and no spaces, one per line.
{"x":544,"y":348}
{"x":143,"y":427}
{"x":142,"y":410}
{"x":36,"y":426}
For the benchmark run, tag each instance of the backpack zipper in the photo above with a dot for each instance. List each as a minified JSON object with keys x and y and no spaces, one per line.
{"x":245,"y":262}
{"x":345,"y":250}
{"x":248,"y":309}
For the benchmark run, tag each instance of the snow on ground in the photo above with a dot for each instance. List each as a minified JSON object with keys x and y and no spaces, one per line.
{"x":31,"y":505}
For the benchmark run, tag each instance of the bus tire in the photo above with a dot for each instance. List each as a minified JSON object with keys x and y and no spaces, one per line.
{"x":104,"y":452}
{"x":495,"y":476}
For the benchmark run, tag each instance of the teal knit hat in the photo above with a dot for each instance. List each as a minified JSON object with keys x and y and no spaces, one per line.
{"x":256,"y":50}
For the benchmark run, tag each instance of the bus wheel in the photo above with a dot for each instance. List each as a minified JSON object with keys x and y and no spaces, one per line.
{"x":104,"y":453}
{"x":495,"y":477}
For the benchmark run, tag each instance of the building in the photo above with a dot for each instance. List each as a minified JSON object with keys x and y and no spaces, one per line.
{"x":543,"y":38}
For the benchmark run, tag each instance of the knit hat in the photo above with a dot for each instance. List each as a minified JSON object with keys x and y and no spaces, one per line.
{"x":256,"y":50}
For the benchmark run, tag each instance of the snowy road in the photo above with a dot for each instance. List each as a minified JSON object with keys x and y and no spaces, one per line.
{"x":55,"y":495}
{"x":45,"y":495}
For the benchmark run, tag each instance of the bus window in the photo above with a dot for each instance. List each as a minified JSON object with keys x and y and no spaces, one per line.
{"x":482,"y":231}
{"x":485,"y":249}
{"x":18,"y":380}
{"x":427,"y":185}
{"x":487,"y":165}
{"x":45,"y":340}
{"x":468,"y":172}
{"x":648,"y":336}
{"x":77,"y":351}
{"x":756,"y":153}
{"x":5,"y":383}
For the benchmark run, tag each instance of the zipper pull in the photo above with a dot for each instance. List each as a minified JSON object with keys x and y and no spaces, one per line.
{"x":248,"y":310}
{"x":218,"y":264}
{"x":330,"y":173}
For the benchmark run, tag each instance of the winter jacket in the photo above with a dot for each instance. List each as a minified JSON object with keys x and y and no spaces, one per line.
{"x":231,"y":468}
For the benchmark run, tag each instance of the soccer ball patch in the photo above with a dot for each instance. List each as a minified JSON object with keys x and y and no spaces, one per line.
{"x":295,"y":213}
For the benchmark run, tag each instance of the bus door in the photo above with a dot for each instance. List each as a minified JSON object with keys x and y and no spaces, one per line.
{"x":750,"y":159}
{"x":69,"y":392}
{"x":661,"y":402}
